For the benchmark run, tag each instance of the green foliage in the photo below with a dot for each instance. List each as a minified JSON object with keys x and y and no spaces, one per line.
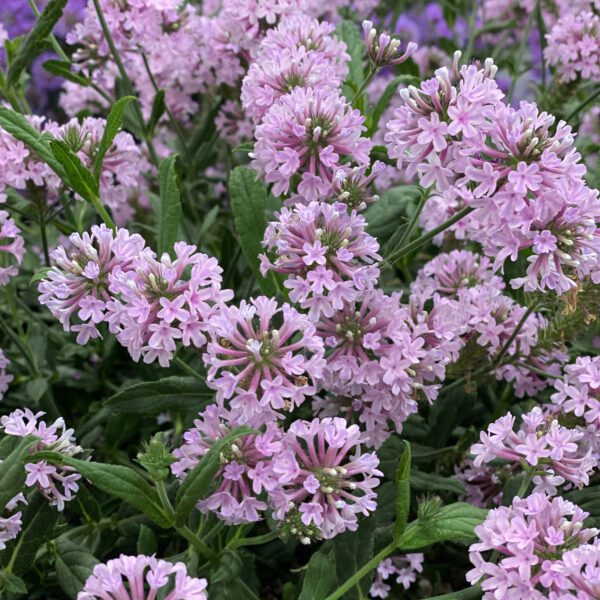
{"x":170,"y":205}
{"x":320,"y":577}
{"x":74,"y":564}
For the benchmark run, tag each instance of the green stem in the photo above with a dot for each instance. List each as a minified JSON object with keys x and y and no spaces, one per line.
{"x":513,"y":336}
{"x":164,"y":499}
{"x":363,"y":86}
{"x":525,"y":483}
{"x":583,"y":104}
{"x":253,"y":541}
{"x":129,"y":90}
{"x":249,"y":593}
{"x":203,"y":549}
{"x":364,"y":570}
{"x":466,"y":594}
{"x":44,"y":237}
{"x":472,"y":32}
{"x":185,"y":367}
{"x":103,"y":213}
{"x":415,"y":218}
{"x":426,"y":237}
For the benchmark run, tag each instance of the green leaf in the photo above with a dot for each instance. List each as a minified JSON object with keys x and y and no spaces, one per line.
{"x":40,"y":274}
{"x":348,"y":32}
{"x":246,"y":147}
{"x":170,"y":205}
{"x":448,"y":412}
{"x":62,"y":68}
{"x":74,"y":564}
{"x":386,"y":98}
{"x":39,"y":520}
{"x":470,"y":593}
{"x":248,"y":202}
{"x":589,"y":500}
{"x":352,"y":550}
{"x":34,"y":42}
{"x":20,"y":128}
{"x":158,"y":110}
{"x":118,"y":481}
{"x":201,"y":478}
{"x":391,"y":212}
{"x":113,"y":125}
{"x":36,"y":388}
{"x":320,"y":578}
{"x":146,"y":541}
{"x":402,"y":492}
{"x":12,"y":470}
{"x":455,"y":522}
{"x":185,"y":394}
{"x":432,"y":482}
{"x":12,"y":584}
{"x":78,"y":177}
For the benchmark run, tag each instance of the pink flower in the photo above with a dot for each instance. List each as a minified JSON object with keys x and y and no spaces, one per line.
{"x":404,"y":568}
{"x":12,"y":245}
{"x":308,"y":132}
{"x":324,"y":479}
{"x":144,"y":577}
{"x":263,"y":359}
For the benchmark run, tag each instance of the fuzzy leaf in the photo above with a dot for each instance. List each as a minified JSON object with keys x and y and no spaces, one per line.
{"x":402,"y":492}
{"x":62,"y":68}
{"x":74,"y":564}
{"x":170,"y":205}
{"x":320,"y":578}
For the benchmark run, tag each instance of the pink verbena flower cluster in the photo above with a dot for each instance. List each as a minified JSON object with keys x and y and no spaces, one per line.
{"x":312,"y":479}
{"x":299,"y":53}
{"x":304,"y":137}
{"x":403,"y":568}
{"x":5,"y":378}
{"x":326,"y":253}
{"x":465,"y":290}
{"x":149,"y":304}
{"x":544,"y":551}
{"x":573,"y":47}
{"x":142,"y":578}
{"x":382,"y":357}
{"x":56,"y":483}
{"x":121,"y":179}
{"x":521,"y":175}
{"x":384,"y":50}
{"x":556,"y":454}
{"x":12,"y":245}
{"x":263,"y":359}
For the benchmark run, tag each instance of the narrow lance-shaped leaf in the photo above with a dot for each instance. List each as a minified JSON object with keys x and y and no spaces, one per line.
{"x":199,"y":480}
{"x":114,"y":121}
{"x":170,"y":204}
{"x":158,"y":109}
{"x":78,"y":176}
{"x":118,"y":481}
{"x":62,"y":68}
{"x":74,"y":564}
{"x":34,"y":42}
{"x":402,"y":492}
{"x":348,"y":32}
{"x":12,"y":470}
{"x":184,"y":394}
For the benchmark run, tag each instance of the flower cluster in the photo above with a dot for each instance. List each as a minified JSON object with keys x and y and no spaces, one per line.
{"x":326,"y":254}
{"x":573,"y":47}
{"x":263,"y":359}
{"x":382,"y":49}
{"x":246,"y":471}
{"x":149,"y":304}
{"x":10,"y":526}
{"x":521,"y":175}
{"x":303,"y":138}
{"x":404,"y":568}
{"x":325,"y":481}
{"x":57,"y":483}
{"x":544,"y":551}
{"x":142,"y":578}
{"x":553,"y":452}
{"x":12,"y":245}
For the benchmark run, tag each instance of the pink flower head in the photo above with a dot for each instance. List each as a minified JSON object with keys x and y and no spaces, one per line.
{"x":142,"y":578}
{"x":325,"y":479}
{"x":326,"y":253}
{"x":554,"y":452}
{"x":263,"y":359}
{"x":538,"y":540}
{"x":12,"y":245}
{"x":75,"y":289}
{"x":156,"y":303}
{"x":10,"y":526}
{"x":56,"y":483}
{"x":246,"y":472}
{"x":308,"y":133}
